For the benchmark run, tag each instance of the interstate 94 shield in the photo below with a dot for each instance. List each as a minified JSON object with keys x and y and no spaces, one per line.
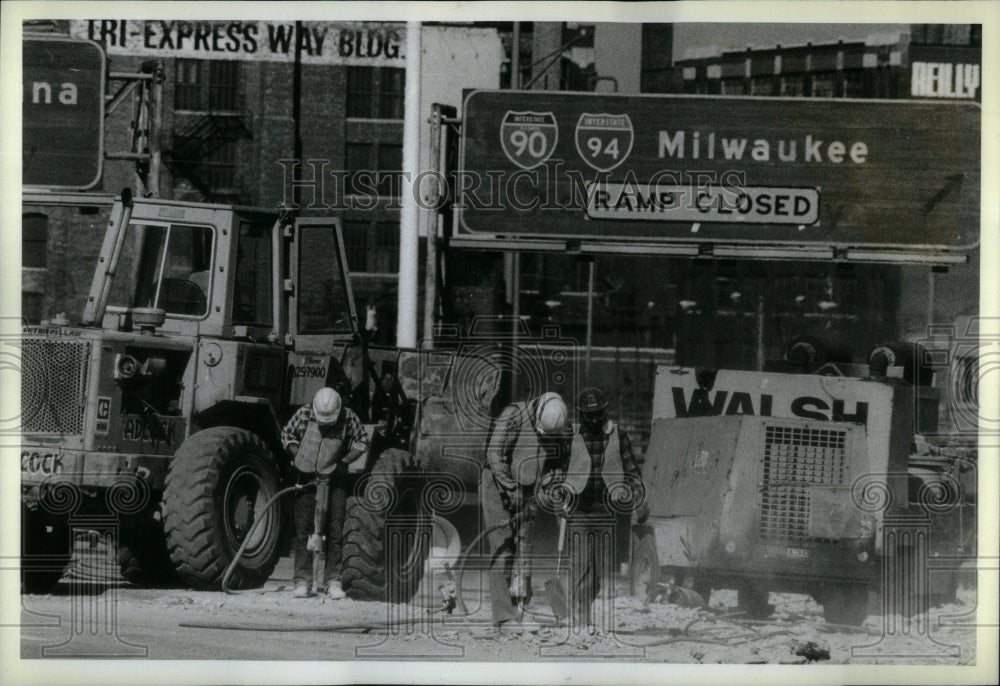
{"x":604,"y":141}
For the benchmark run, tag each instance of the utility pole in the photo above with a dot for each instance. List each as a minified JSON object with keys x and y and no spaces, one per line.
{"x":409,"y":240}
{"x":297,"y":108}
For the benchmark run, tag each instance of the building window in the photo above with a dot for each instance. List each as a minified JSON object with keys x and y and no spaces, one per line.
{"x":854,"y":83}
{"x":824,"y":85}
{"x":34,"y":240}
{"x":209,"y":164}
{"x":762,"y":85}
{"x":976,"y":35}
{"x":947,"y":34}
{"x":206,"y":86}
{"x":381,"y":164}
{"x":220,"y":167}
{"x":32,"y":307}
{"x":375,"y":92}
{"x":372,"y":247}
{"x":792,"y":86}
{"x":390,"y":164}
{"x":735,"y":86}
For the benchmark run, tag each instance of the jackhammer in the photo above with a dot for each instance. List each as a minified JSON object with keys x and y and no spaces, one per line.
{"x":317,"y":539}
{"x":520,"y":577}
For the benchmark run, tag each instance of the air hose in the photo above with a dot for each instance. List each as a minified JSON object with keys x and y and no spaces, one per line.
{"x":253,"y":529}
{"x":348,"y":627}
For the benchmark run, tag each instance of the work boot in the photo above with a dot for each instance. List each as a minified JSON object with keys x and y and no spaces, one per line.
{"x":302,"y":590}
{"x":335,"y":592}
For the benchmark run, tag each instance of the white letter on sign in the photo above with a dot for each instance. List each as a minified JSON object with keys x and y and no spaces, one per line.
{"x":673,"y":147}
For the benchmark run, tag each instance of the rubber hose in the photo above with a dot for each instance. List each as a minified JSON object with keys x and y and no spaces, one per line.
{"x":246,"y":540}
{"x":350,"y":628}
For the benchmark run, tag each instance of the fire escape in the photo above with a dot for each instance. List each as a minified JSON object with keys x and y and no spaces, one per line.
{"x":197,"y":139}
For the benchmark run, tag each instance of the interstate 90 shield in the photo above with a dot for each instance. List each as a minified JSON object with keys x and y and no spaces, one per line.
{"x":528,"y":138}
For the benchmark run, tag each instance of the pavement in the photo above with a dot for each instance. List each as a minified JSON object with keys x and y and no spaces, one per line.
{"x":93,"y":613}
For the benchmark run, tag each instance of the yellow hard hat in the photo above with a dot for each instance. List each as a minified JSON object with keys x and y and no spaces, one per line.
{"x":326,"y":406}
{"x":550,"y":415}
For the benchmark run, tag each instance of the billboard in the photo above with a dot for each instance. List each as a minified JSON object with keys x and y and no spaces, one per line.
{"x":946,"y":71}
{"x":63,"y":113}
{"x":737,"y":171}
{"x":377,"y":44}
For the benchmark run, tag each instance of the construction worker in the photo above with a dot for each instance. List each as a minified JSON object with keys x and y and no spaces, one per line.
{"x":604,"y":475}
{"x":526,"y":435}
{"x":323,"y":438}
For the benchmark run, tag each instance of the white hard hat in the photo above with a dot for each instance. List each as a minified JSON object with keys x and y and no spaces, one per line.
{"x":326,"y":406}
{"x":550,"y":416}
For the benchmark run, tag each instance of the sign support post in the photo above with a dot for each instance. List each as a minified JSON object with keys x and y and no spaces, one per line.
{"x":590,"y":317}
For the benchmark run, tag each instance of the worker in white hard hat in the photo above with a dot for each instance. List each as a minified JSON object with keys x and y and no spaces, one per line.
{"x":323,"y":437}
{"x":527,"y":436}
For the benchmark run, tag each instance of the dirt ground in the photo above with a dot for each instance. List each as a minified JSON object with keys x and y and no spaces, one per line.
{"x":93,"y":619}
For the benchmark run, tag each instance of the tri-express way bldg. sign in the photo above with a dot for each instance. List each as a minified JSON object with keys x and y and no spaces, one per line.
{"x":812,"y":178}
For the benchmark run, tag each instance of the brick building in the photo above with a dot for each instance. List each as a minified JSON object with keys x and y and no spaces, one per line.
{"x":229,"y":116}
{"x":237,"y":105}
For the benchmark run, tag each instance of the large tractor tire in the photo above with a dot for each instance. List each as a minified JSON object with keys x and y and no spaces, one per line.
{"x":386,"y":533}
{"x":45,"y":549}
{"x":645,"y":568}
{"x":216,"y":488}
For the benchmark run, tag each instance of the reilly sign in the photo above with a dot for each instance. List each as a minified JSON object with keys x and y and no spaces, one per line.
{"x":615,"y":169}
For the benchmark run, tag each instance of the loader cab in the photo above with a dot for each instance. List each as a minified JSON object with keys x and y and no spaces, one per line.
{"x":188,"y":269}
{"x":261,"y":298}
{"x":226,"y":271}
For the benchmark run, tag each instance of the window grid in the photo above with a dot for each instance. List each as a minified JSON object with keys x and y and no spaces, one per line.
{"x":206,"y":85}
{"x":375,"y":92}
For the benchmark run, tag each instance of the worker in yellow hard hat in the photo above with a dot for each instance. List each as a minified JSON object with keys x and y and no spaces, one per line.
{"x":526,"y":436}
{"x":323,"y":437}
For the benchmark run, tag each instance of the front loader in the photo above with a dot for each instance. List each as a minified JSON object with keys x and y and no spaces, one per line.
{"x":159,"y":415}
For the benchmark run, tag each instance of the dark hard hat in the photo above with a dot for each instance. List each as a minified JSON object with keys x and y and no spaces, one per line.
{"x":591,"y":401}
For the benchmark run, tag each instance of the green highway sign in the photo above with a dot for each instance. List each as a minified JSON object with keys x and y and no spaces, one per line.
{"x":737,"y":171}
{"x":63,"y":113}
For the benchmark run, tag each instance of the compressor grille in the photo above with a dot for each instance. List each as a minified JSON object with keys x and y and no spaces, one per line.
{"x":53,"y":385}
{"x":794,"y":459}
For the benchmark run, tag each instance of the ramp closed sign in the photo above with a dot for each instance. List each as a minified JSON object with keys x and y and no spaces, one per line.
{"x":813,"y":173}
